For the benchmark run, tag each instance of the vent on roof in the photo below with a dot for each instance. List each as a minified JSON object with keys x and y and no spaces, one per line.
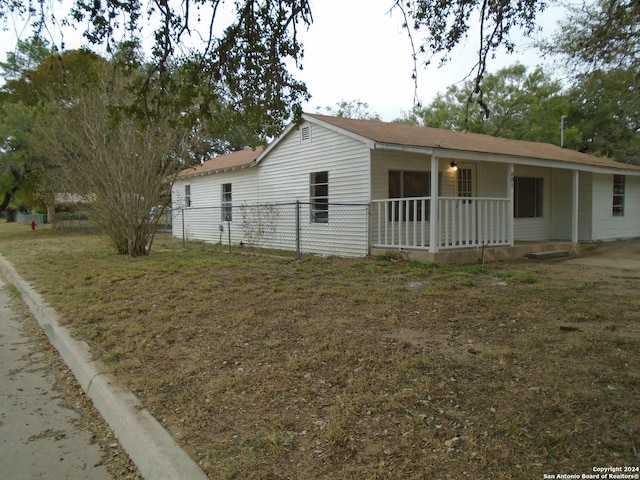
{"x":305,"y":134}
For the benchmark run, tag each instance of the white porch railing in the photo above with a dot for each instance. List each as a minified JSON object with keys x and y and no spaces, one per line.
{"x":401,"y":222}
{"x":471,"y":222}
{"x":463,"y":222}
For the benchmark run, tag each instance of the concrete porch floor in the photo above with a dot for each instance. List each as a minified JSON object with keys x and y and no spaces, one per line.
{"x":466,"y":256}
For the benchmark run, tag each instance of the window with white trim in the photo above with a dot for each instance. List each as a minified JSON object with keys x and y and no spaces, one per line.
{"x":319,"y":197}
{"x":618,"y":195}
{"x":187,"y":195}
{"x":227,"y":211}
{"x":465,"y":182}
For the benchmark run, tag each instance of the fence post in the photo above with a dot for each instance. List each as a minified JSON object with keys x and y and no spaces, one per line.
{"x":184,"y":237}
{"x":298,"y":254}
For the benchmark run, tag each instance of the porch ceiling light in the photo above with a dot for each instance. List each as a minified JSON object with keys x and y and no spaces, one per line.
{"x":454,"y":165}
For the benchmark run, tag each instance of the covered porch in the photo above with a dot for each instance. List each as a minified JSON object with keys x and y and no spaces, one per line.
{"x":462,"y":222}
{"x":477,"y":213}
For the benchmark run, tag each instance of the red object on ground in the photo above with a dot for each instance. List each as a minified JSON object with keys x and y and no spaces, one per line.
{"x":33,"y":224}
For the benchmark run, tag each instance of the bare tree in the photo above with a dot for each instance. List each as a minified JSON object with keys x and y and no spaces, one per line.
{"x":122,"y":165}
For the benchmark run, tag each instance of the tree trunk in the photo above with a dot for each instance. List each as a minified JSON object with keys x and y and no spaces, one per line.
{"x":51,"y":214}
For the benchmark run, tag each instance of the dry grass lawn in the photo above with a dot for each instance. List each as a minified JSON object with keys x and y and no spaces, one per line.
{"x":264,"y":368}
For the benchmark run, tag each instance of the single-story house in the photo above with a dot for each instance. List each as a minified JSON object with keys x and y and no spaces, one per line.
{"x":434,"y":194}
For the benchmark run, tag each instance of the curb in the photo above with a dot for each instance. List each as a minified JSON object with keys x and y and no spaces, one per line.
{"x":151,"y":448}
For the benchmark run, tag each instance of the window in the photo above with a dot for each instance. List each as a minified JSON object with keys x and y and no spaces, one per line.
{"x":406,"y":184}
{"x":465,"y":182}
{"x":187,"y":195}
{"x":319,"y":197}
{"x":618,"y":196}
{"x":227,"y":210}
{"x":528,"y":197}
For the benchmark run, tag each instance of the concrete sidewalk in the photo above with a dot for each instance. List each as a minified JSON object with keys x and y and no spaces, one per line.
{"x":152,"y":449}
{"x":39,"y":438}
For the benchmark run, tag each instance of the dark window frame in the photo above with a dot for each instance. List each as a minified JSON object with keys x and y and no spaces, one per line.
{"x":528,"y":197}
{"x":187,"y":195}
{"x":406,"y":184}
{"x":619,"y":190}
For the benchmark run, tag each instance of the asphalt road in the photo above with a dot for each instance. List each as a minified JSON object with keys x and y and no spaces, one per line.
{"x":39,"y":438}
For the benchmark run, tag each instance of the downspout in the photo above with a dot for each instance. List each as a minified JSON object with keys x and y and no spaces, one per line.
{"x":575,"y":187}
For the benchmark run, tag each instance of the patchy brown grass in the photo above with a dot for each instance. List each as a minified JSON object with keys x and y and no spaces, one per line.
{"x":264,"y":368}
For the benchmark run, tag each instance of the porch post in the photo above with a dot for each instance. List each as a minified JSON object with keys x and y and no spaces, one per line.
{"x":434,"y":224}
{"x":510,"y":190}
{"x":575,"y":186}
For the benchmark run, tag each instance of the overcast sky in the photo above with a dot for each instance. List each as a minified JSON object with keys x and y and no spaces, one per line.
{"x":357,"y":50}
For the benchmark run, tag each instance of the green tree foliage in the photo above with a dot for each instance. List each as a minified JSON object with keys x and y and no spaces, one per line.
{"x":604,"y":34}
{"x":19,"y":165}
{"x":351,"y":109}
{"x":605,"y":108}
{"x":600,"y":44}
{"x":27,"y":55}
{"x":23,"y":171}
{"x":235,"y":50}
{"x":523,"y":106}
{"x":51,"y":77}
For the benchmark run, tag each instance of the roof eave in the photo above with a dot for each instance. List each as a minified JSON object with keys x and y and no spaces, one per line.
{"x":403,"y":148}
{"x":219,"y":170}
{"x":617,"y":168}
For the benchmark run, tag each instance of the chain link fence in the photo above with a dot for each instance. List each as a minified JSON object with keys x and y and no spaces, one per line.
{"x":27,"y":218}
{"x":327,"y":229}
{"x":296,"y":227}
{"x":75,"y":222}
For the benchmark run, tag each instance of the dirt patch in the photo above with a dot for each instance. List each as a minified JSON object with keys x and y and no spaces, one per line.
{"x":623,"y":256}
{"x":264,"y":368}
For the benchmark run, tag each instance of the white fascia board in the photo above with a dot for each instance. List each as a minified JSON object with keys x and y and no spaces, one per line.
{"x":273,"y":144}
{"x":403,"y":148}
{"x":531,"y":162}
{"x":190,"y":176}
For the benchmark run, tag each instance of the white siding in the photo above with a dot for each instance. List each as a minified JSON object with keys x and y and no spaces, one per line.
{"x":562,"y":204}
{"x":284,"y":174}
{"x":203,"y":218}
{"x":492,"y":180}
{"x":383,"y":161}
{"x":284,"y":177}
{"x":585,"y":209}
{"x":605,"y":225}
{"x":535,"y":229}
